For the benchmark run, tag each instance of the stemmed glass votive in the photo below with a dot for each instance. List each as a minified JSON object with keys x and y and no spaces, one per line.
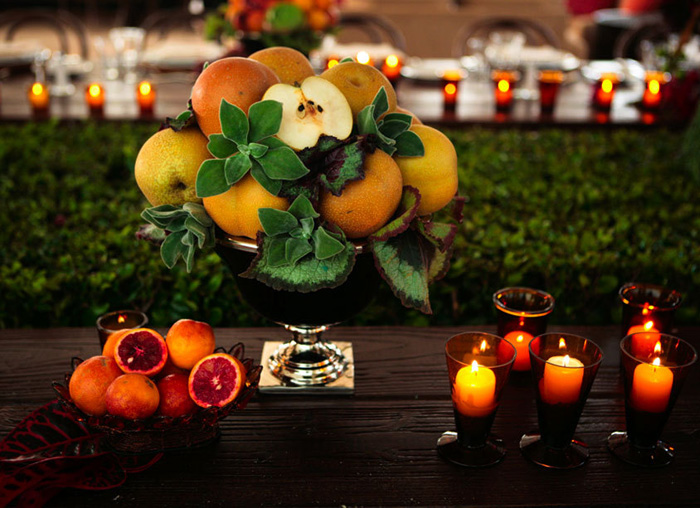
{"x":563,"y":367}
{"x":651,"y":388}
{"x":478,"y":365}
{"x":522,"y":315}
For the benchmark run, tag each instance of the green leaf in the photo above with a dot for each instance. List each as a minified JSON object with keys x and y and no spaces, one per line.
{"x":234,"y":122}
{"x":151,"y":233}
{"x":236,"y":168}
{"x":182,"y":121}
{"x":393,"y":128}
{"x":347,"y":59}
{"x":199,"y":231}
{"x":302,"y":208}
{"x":270,"y":185}
{"x":199,"y":213}
{"x":296,"y":249}
{"x":366,"y":124}
{"x":211,"y":179}
{"x":406,"y":212}
{"x":344,"y":165}
{"x":380,"y":103}
{"x":257,"y":150}
{"x":265,"y":119}
{"x":276,"y":222}
{"x":309,"y":274}
{"x":282,"y":164}
{"x":438,"y":264}
{"x":398,"y":117}
{"x":325,"y":144}
{"x":326,"y":246}
{"x":220,"y":147}
{"x":409,"y":144}
{"x":172,"y":248}
{"x":307,"y":227}
{"x":177,"y":223}
{"x":276,"y":254}
{"x":272,"y":142}
{"x":163,"y":211}
{"x":299,"y":232}
{"x":402,"y":265}
{"x":439,"y":234}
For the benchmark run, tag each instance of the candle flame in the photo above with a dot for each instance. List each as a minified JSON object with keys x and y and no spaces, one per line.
{"x":503,"y":85}
{"x":648,"y":325}
{"x":562,"y":344}
{"x":121,"y":318}
{"x":37,"y":88}
{"x":607,"y":86}
{"x":566,"y":361}
{"x":363,"y":57}
{"x":483,"y":346}
{"x":94,"y":90}
{"x":654,"y":87}
{"x":144,"y":88}
{"x":392,"y":61}
{"x":657,"y":348}
{"x":656,"y":362}
{"x":475,"y":367}
{"x":332,"y":62}
{"x":450,"y":89}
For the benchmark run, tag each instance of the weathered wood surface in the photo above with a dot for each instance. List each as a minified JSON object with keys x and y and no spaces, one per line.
{"x":378,"y":446}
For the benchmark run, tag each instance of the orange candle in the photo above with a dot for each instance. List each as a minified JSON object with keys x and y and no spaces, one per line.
{"x":95,"y":96}
{"x":563,"y":377}
{"x":520,"y":340}
{"x":146,"y":97}
{"x":474,"y":392}
{"x":651,"y":387}
{"x":392,"y":67}
{"x":39,"y":97}
{"x":645,"y":340}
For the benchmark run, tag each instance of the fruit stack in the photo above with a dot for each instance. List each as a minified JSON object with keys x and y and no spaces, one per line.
{"x":143,"y":382}
{"x":307,"y":166}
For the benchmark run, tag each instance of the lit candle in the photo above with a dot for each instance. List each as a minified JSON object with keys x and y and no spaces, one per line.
{"x":550,"y":80}
{"x":39,"y":97}
{"x":146,"y":97}
{"x":450,"y":89}
{"x":112,"y":322}
{"x":563,"y":377}
{"x":364,"y":58}
{"x":651,"y":387}
{"x":520,"y":340}
{"x":645,"y":340}
{"x":95,"y":97}
{"x":332,"y":61}
{"x":474,"y":392}
{"x":652,"y":92}
{"x":503,"y":90}
{"x":392,"y":67}
{"x":605,"y":91}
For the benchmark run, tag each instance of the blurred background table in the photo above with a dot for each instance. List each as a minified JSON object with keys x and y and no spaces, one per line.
{"x":378,"y":446}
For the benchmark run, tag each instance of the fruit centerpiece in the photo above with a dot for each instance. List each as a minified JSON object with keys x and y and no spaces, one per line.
{"x":259,"y":24}
{"x":311,"y":188}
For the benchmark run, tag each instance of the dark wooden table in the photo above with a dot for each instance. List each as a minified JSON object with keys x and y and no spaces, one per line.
{"x":378,"y":446}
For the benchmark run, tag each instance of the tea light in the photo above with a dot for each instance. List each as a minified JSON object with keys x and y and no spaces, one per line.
{"x":332,"y":61}
{"x":645,"y":339}
{"x":605,"y":91}
{"x":550,"y":81}
{"x":643,"y":304}
{"x":655,"y":81}
{"x":364,"y":58}
{"x":450,"y":89}
{"x":95,"y":97}
{"x":503,"y":89}
{"x":520,"y":340}
{"x":563,"y":377}
{"x":112,"y":322}
{"x":651,"y":387}
{"x":146,"y":97}
{"x":475,"y":390}
{"x":391,"y":68}
{"x":39,"y":97}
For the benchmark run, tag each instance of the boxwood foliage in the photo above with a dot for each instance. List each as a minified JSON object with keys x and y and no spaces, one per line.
{"x":577,"y":213}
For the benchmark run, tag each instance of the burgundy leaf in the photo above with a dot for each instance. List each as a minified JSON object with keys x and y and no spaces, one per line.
{"x":406,"y":212}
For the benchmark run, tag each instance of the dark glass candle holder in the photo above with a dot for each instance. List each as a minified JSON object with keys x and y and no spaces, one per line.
{"x":549,"y":82}
{"x":522,"y":315}
{"x":647,"y":310}
{"x":563,"y":367}
{"x":652,"y":386}
{"x":478,"y":365}
{"x":112,"y":322}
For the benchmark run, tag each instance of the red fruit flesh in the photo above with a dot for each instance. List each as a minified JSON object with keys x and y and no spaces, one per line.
{"x":216,"y":380}
{"x":141,"y":352}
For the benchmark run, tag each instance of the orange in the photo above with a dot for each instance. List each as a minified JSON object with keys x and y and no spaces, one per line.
{"x":290,"y":65}
{"x":89,"y":383}
{"x":132,"y":396}
{"x":216,"y":380}
{"x":236,"y":210}
{"x":366,"y":205}
{"x":304,"y":5}
{"x":318,"y":19}
{"x":141,"y":351}
{"x":175,"y":397}
{"x":108,"y":349}
{"x":188,"y":342}
{"x":240,"y":81}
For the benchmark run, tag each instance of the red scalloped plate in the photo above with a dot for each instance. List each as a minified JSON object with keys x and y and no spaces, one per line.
{"x":161,"y":433}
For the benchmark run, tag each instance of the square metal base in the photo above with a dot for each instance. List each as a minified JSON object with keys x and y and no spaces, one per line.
{"x":344,"y":385}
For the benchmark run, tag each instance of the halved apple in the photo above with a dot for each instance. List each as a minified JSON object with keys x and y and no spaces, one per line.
{"x":309,"y":111}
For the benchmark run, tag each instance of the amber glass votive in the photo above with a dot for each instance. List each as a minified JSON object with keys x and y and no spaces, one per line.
{"x":563,"y":368}
{"x":478,"y":365}
{"x":450,"y":88}
{"x":146,"y":98}
{"x":604,"y":91}
{"x":549,"y":81}
{"x":522,"y":315}
{"x":647,"y":310}
{"x":95,"y":98}
{"x":651,"y":388}
{"x":654,"y":83}
{"x":391,"y":68}
{"x":112,"y":322}
{"x":39,"y":98}
{"x":503,"y":82}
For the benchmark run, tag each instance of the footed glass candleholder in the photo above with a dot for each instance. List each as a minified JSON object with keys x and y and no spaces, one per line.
{"x":478,"y":365}
{"x":563,"y":367}
{"x":522,"y":315}
{"x":647,"y":308}
{"x":651,"y":388}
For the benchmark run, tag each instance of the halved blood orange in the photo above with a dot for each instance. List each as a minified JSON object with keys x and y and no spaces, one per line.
{"x":216,"y":380}
{"x":141,"y":351}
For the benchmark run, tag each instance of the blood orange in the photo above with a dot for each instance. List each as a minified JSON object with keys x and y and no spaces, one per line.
{"x":216,"y":380}
{"x":142,"y":351}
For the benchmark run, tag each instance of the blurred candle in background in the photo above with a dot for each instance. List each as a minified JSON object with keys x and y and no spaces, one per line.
{"x":503,"y":89}
{"x":364,"y":58}
{"x":39,"y":98}
{"x":654,"y":84}
{"x":146,"y":97}
{"x":95,"y":98}
{"x":604,"y":91}
{"x":550,"y":81}
{"x":391,"y":68}
{"x":332,"y":61}
{"x":450,"y":88}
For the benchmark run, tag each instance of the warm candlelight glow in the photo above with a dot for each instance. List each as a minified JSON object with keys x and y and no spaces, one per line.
{"x":146,"y":97}
{"x":95,"y":97}
{"x":144,"y":88}
{"x":562,"y":343}
{"x":39,"y":97}
{"x":483,"y":346}
{"x":521,"y":341}
{"x":392,"y":61}
{"x":450,"y":89}
{"x":363,"y":57}
{"x":605,"y":91}
{"x":503,"y":89}
{"x":563,"y":377}
{"x":549,"y":83}
{"x":654,"y":87}
{"x":95,"y":90}
{"x":607,"y":86}
{"x":121,"y":318}
{"x":644,"y":340}
{"x":37,"y":89}
{"x":474,"y":392}
{"x":332,"y":62}
{"x":503,"y":85}
{"x":653,"y":90}
{"x":651,"y":386}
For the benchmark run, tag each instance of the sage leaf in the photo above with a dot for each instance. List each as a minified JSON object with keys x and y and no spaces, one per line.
{"x":326,"y":246}
{"x":276,"y":222}
{"x":393,"y":128}
{"x":257,"y":150}
{"x":366,"y":124}
{"x":307,"y":227}
{"x":296,"y":248}
{"x":380,"y":103}
{"x":299,"y":233}
{"x":220,"y":147}
{"x":172,"y":248}
{"x":283,"y":164}
{"x":211,"y":179}
{"x":398,"y":117}
{"x":265,"y":119}
{"x":199,"y":213}
{"x":270,"y":185}
{"x":276,"y":252}
{"x":272,"y":142}
{"x":199,"y":231}
{"x":302,"y":208}
{"x":409,"y":144}
{"x":236,"y":167}
{"x":234,"y":122}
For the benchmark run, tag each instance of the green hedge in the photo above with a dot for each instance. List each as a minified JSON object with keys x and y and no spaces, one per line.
{"x":575,"y":213}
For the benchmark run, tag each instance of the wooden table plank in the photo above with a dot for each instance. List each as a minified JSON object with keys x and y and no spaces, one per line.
{"x":378,"y":446}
